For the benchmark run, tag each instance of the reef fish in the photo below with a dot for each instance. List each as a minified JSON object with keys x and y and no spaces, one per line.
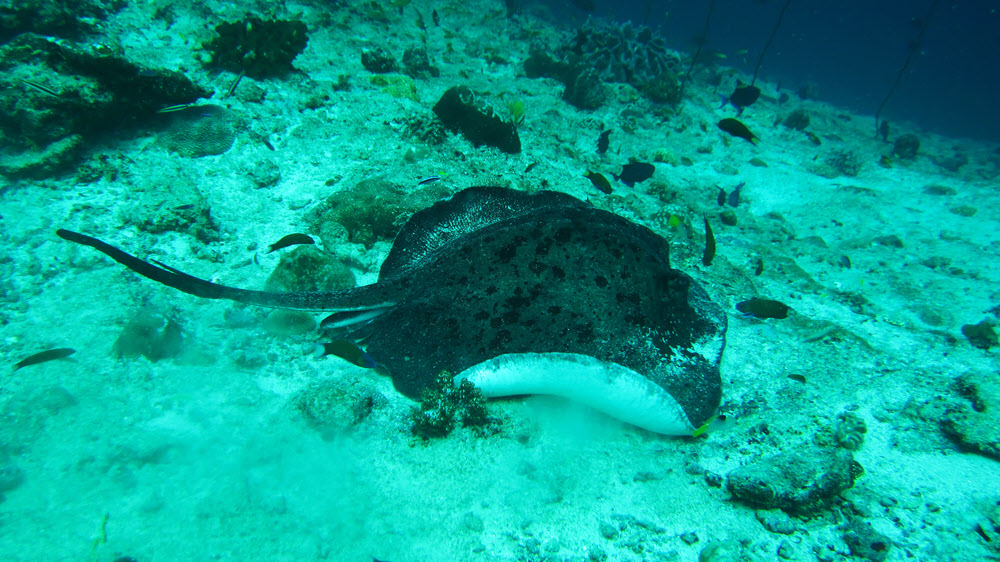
{"x":764,"y":308}
{"x":736,"y":128}
{"x":290,"y":240}
{"x":599,"y":181}
{"x":744,"y":96}
{"x":635,"y":172}
{"x":522,"y":293}
{"x":42,"y":357}
{"x":603,"y":142}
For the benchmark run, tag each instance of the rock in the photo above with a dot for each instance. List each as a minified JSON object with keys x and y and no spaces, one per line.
{"x":418,"y":64}
{"x":462,"y":111}
{"x":803,"y":479}
{"x":151,"y":335}
{"x":11,"y":476}
{"x":378,"y":61}
{"x":333,"y":407}
{"x":586,"y":90}
{"x":865,"y":542}
{"x":906,"y":146}
{"x":981,"y":335}
{"x":974,"y":421}
{"x":307,"y":268}
{"x":94,"y":91}
{"x":284,"y":323}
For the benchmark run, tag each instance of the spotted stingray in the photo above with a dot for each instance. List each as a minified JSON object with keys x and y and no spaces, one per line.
{"x":524,"y":294}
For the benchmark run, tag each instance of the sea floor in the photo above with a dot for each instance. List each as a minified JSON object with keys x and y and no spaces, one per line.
{"x":206,"y":455}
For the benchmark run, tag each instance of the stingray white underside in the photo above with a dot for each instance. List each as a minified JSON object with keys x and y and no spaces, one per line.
{"x":606,"y":387}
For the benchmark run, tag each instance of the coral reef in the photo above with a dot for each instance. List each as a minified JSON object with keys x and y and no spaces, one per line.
{"x":258,"y":47}
{"x":426,"y":129}
{"x":443,"y":406}
{"x":621,"y":52}
{"x":372,"y":210}
{"x":463,"y":111}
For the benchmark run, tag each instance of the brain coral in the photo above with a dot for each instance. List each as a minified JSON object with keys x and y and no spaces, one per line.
{"x":621,"y":52}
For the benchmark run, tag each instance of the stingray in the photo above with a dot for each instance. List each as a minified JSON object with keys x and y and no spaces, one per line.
{"x":524,"y":294}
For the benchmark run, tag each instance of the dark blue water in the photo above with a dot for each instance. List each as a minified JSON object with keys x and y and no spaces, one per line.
{"x":852,"y":50}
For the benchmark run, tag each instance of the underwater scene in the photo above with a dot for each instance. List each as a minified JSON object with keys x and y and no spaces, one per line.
{"x":499,"y":280}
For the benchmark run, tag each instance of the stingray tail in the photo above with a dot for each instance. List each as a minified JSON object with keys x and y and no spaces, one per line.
{"x":357,"y":298}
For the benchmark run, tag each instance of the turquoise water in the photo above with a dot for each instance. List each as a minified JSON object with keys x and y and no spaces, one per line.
{"x":195,"y":429}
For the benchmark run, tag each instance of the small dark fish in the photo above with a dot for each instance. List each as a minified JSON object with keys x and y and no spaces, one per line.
{"x":635,"y":172}
{"x":232,"y":87}
{"x":722,"y":197}
{"x":530,"y":167}
{"x":173,"y":108}
{"x":43,"y":89}
{"x":599,"y":181}
{"x":348,"y":351}
{"x":736,"y":128}
{"x":267,"y":143}
{"x":813,"y":138}
{"x":798,"y":378}
{"x":883,"y":130}
{"x":430,"y":179}
{"x":763,"y":308}
{"x":734,"y":196}
{"x":290,"y":240}
{"x":709,"y":255}
{"x":435,"y":17}
{"x":603,"y":142}
{"x":744,"y":96}
{"x":42,"y":357}
{"x":353,"y":317}
{"x":184,"y":207}
{"x":783,"y":98}
{"x":759,"y":268}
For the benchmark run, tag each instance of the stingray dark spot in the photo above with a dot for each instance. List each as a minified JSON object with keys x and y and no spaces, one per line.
{"x":617,"y":253}
{"x":635,"y":319}
{"x":481,"y":315}
{"x":517,"y":302}
{"x":491,"y":289}
{"x":585,"y":332}
{"x":625,"y":274}
{"x":558,"y":272}
{"x":601,"y":281}
{"x":542,"y":249}
{"x":536,"y":267}
{"x":628,"y":297}
{"x":555,"y":309}
{"x":507,"y":252}
{"x":564,"y":234}
{"x":502,"y":337}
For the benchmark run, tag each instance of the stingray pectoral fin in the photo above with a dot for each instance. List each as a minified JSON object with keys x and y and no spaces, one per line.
{"x":360,"y":297}
{"x":606,"y":387}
